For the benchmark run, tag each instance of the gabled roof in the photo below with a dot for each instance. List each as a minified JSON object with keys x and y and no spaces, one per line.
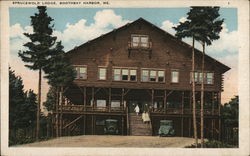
{"x":182,"y":43}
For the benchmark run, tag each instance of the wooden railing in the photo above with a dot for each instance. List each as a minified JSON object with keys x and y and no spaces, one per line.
{"x":183,"y":111}
{"x":81,"y":108}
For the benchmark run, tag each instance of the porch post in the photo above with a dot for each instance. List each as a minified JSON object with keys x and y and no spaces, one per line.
{"x":122,"y":125}
{"x":219,"y":103}
{"x":189,"y":126}
{"x":212,"y":128}
{"x":93,"y":97}
{"x":182,"y":104}
{"x":92,"y":125}
{"x":84,"y":125}
{"x":109,"y":104}
{"x":152,"y":98}
{"x":165,"y":101}
{"x":122,"y":99}
{"x":85,"y":98}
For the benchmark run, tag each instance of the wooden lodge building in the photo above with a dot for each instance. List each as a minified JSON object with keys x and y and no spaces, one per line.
{"x":138,"y":64}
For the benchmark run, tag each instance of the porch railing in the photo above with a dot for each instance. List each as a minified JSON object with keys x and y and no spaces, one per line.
{"x":82,"y":108}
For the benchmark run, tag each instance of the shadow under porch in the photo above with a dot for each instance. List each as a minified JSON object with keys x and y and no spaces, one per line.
{"x":88,"y":107}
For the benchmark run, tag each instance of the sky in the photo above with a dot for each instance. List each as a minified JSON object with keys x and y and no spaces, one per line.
{"x":74,"y":26}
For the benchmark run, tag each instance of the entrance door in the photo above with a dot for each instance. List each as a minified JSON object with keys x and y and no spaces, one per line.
{"x":143,"y":105}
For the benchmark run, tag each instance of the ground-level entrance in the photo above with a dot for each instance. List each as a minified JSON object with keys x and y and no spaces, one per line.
{"x":83,"y":110}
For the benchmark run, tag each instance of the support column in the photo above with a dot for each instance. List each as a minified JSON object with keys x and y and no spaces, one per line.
{"x":212,"y":103}
{"x":109,"y":104}
{"x":182,"y":122}
{"x":182,"y":105}
{"x":60,"y":133}
{"x":189,"y":126}
{"x":93,"y":97}
{"x":165,"y":101}
{"x":84,"y":124}
{"x":92,"y":125}
{"x":212,"y":128}
{"x":122,"y":99}
{"x":122,"y":125}
{"x":85,"y":98}
{"x":182,"y":102}
{"x":152,"y":98}
{"x":219,"y":103}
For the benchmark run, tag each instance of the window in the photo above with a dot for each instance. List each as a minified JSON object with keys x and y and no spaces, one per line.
{"x":150,"y":75}
{"x":140,"y":41}
{"x":115,"y":103}
{"x":135,"y":41}
{"x":144,"y":41}
{"x":102,"y":73}
{"x":210,"y":78}
{"x":145,"y":75}
{"x":117,"y":74}
{"x":132,"y":75}
{"x":81,"y":72}
{"x":124,"y":74}
{"x":161,"y":75}
{"x":174,"y":76}
{"x":101,"y":103}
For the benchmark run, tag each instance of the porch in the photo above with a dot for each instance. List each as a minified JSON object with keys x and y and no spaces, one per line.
{"x":92,"y":100}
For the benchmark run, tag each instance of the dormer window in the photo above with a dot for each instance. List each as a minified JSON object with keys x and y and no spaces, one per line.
{"x":139,"y":41}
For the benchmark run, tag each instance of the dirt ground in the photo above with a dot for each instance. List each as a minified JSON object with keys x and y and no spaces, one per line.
{"x":113,"y":141}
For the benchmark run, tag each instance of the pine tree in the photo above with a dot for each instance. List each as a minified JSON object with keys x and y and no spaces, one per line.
{"x":183,"y":30}
{"x":22,"y":107}
{"x":59,"y":74}
{"x":58,"y":70}
{"x":203,"y":24}
{"x":51,"y":99}
{"x":209,"y":28}
{"x":39,"y":48}
{"x":16,"y":99}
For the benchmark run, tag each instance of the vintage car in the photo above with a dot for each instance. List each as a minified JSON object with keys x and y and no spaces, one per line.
{"x":166,"y":128}
{"x":111,"y":126}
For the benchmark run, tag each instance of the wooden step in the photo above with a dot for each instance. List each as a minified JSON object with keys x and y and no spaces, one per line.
{"x":138,"y":127}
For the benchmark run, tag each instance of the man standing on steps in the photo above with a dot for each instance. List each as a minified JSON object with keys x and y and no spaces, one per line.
{"x":137,"y":109}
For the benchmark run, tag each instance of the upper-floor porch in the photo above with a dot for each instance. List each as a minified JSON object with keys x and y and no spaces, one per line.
{"x":120,"y":101}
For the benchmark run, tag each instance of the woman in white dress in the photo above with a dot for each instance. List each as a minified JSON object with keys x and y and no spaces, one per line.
{"x":137,"y":109}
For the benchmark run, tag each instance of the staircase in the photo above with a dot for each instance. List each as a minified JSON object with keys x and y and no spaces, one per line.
{"x":137,"y":127}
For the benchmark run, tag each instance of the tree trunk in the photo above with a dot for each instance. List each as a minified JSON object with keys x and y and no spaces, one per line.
{"x":38,"y":106}
{"x":193,"y":91}
{"x":202,"y":97}
{"x":57,"y":118}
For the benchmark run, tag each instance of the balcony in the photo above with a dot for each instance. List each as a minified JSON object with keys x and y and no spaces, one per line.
{"x":91,"y":109}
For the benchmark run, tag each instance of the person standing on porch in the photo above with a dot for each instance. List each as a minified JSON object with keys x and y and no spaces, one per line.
{"x":137,"y":109}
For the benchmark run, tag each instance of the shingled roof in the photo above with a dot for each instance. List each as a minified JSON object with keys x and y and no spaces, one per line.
{"x":180,"y":42}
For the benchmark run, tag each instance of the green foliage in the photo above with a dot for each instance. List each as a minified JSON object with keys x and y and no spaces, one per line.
{"x":230,"y":112}
{"x":22,"y":110}
{"x":41,"y":42}
{"x":51,"y":99}
{"x":212,"y":144}
{"x":58,"y":70}
{"x":202,"y":24}
{"x":16,"y":98}
{"x":22,"y":106}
